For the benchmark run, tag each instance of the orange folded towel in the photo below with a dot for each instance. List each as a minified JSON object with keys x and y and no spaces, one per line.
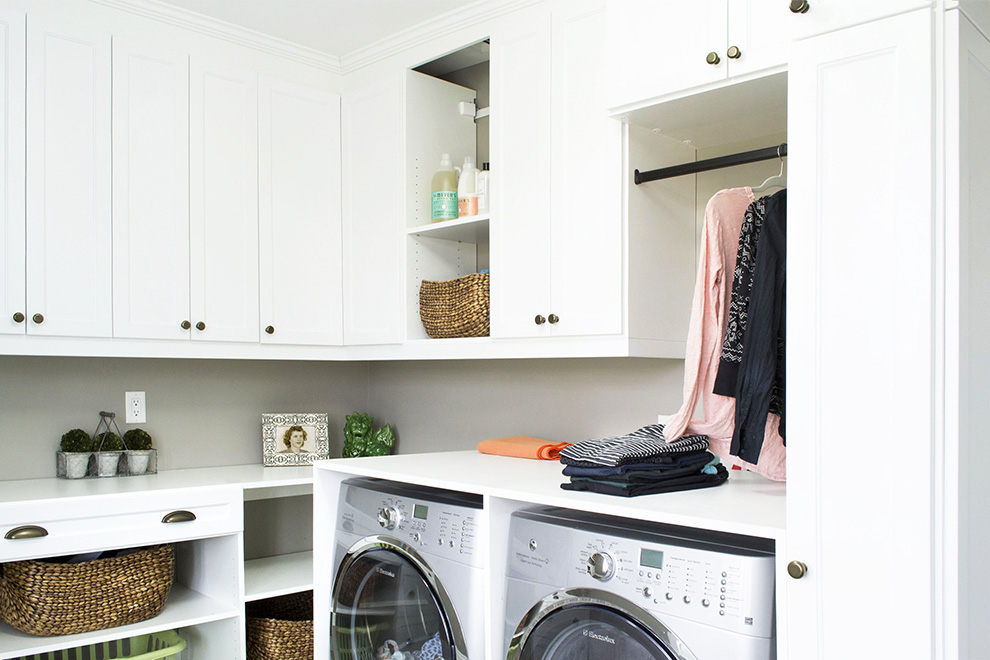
{"x":522,"y":446}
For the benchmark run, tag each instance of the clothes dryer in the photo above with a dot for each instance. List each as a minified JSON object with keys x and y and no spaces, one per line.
{"x":582,"y":587}
{"x":408,"y":574}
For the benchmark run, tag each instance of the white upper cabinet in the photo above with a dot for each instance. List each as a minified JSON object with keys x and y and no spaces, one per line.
{"x":223,"y":168}
{"x":150,"y":192}
{"x":660,"y":47}
{"x":299,"y":197}
{"x":812,"y":17}
{"x":12,"y":128}
{"x":68,"y":184}
{"x":861,"y":308}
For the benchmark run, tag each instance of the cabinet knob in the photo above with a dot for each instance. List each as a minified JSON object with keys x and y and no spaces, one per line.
{"x":553,"y":318}
{"x":539,"y":320}
{"x":800,"y":6}
{"x":179,"y":517}
{"x":26,"y":532}
{"x":38,"y":318}
{"x":713,"y":58}
{"x":797,"y":569}
{"x":18,"y":317}
{"x":185,"y":325}
{"x":733,"y":53}
{"x":201,"y":326}
{"x":270,"y":329}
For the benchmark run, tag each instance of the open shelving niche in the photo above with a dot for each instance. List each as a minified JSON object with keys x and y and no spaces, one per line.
{"x":436,"y":124}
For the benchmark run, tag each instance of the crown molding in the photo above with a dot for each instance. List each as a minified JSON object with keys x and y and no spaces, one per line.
{"x":216,"y":28}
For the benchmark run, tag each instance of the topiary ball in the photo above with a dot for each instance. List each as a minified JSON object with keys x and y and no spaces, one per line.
{"x":76,"y":440}
{"x":108,"y":441}
{"x":137,"y":439}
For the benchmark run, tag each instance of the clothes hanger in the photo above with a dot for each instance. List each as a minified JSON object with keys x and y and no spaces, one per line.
{"x":777,"y":180}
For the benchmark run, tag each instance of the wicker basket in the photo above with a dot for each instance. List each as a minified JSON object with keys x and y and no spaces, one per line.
{"x":456,"y":308}
{"x":48,"y":598}
{"x":281,"y":628}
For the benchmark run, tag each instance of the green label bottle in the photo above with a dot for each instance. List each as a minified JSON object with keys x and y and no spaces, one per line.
{"x":444,"y":191}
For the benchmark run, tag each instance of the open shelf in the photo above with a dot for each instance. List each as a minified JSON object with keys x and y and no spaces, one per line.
{"x":276,"y":576}
{"x":470,"y":229}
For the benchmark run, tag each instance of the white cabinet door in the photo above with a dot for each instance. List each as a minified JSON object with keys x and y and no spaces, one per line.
{"x":827,"y":15}
{"x":150,"y":192}
{"x":586,"y":228}
{"x":12,"y":128}
{"x":760,"y":30}
{"x":223,"y":168}
{"x":520,"y":134}
{"x":300,"y":214}
{"x":372,"y":212}
{"x":860,"y":313}
{"x":659,"y":46}
{"x":68,"y":184}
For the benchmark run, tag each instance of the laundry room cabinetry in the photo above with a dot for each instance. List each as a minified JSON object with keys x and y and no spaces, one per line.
{"x":812,"y":18}
{"x":13,"y":54}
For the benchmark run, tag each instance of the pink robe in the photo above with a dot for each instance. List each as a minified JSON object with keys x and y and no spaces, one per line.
{"x":713,"y":288}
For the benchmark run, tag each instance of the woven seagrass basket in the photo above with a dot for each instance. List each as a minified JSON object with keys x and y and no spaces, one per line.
{"x":456,"y":308}
{"x":281,"y":628}
{"x":49,"y":598}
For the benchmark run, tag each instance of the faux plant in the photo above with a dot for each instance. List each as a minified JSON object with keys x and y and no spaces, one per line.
{"x":359,"y":440}
{"x":137,"y":439}
{"x":108,"y":441}
{"x":76,"y":440}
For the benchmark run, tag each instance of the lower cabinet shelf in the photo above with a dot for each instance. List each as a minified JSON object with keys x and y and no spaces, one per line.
{"x":276,"y":576}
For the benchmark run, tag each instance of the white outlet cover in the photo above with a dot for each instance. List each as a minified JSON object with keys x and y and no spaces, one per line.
{"x":134,"y":404}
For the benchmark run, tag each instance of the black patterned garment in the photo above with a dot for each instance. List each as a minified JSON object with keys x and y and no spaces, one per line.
{"x":639,"y":446}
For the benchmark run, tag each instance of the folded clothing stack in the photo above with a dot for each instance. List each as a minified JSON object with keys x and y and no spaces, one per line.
{"x":641,"y":463}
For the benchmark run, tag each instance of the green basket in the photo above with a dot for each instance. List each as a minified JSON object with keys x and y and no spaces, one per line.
{"x":164,"y":645}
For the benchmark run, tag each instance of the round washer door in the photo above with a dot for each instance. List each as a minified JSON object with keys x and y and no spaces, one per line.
{"x":387,"y":600}
{"x":591,"y":624}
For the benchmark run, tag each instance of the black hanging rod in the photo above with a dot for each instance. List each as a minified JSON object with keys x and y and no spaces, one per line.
{"x":712,"y":164}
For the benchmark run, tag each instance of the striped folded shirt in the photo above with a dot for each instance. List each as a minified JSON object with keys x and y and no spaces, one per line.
{"x":641,"y":445}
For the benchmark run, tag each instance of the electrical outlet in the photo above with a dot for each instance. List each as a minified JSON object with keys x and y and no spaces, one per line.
{"x":134,"y":404}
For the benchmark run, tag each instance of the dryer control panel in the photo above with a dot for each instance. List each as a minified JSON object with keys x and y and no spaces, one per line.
{"x":437,"y":526}
{"x":729,"y":587}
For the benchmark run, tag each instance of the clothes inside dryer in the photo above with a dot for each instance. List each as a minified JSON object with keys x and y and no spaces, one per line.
{"x":384,"y":609}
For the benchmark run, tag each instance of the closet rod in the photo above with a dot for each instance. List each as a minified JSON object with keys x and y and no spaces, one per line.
{"x":766,"y":153}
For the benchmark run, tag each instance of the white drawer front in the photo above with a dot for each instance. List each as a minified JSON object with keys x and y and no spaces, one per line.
{"x":84,"y":524}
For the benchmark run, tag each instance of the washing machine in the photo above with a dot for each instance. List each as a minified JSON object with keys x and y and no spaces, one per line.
{"x":581,"y":586}
{"x":408,"y":574}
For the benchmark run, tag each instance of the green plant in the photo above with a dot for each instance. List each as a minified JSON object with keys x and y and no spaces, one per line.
{"x":108,"y":441}
{"x":137,"y":439}
{"x":76,"y":440}
{"x":360,"y":441}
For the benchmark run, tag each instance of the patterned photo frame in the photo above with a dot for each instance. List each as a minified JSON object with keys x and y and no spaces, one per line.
{"x":294,"y":438}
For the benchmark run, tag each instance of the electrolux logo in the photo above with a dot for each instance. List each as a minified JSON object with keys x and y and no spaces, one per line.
{"x":384,"y":572}
{"x":600,"y":638}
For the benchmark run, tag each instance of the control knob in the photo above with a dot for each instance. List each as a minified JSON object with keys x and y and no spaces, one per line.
{"x":388,"y":517}
{"x":601,"y":566}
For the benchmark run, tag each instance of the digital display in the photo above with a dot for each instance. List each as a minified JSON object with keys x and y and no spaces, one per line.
{"x":650,"y":558}
{"x":420,"y":511}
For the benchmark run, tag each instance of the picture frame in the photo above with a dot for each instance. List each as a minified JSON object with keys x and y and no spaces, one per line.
{"x":294,"y":438}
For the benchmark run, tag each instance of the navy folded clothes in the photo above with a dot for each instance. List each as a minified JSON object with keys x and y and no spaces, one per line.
{"x":691,"y":482}
{"x":694,"y":460}
{"x":639,"y":446}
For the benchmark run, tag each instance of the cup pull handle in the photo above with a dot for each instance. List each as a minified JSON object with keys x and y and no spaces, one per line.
{"x":179,"y":517}
{"x":26,"y":532}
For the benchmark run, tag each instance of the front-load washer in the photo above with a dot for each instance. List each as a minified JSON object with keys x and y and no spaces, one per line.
{"x":409,"y":574}
{"x":587,"y":586}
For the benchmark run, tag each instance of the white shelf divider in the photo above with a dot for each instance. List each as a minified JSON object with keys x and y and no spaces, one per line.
{"x":471,"y":229}
{"x":277,"y":576}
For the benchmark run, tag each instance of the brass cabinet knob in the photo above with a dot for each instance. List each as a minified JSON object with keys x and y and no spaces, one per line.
{"x":179,"y":517}
{"x":733,"y":53}
{"x":38,"y":318}
{"x":800,"y":6}
{"x":201,"y":326}
{"x":553,"y":318}
{"x":270,"y":329}
{"x":26,"y":532}
{"x":797,"y":569}
{"x":185,"y":325}
{"x":539,"y":320}
{"x":713,"y":58}
{"x":18,"y":317}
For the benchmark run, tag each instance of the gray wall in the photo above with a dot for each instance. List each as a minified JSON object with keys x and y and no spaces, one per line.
{"x":208,"y":412}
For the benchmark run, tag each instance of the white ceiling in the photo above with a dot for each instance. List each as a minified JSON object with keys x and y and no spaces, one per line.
{"x":334,"y":27}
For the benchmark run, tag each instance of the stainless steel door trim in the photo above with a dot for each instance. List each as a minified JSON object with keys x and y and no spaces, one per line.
{"x":378,"y":542}
{"x":564,"y":598}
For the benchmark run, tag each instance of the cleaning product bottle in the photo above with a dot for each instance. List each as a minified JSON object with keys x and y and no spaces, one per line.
{"x":484,"y":189}
{"x":467,"y":196}
{"x":445,"y":191}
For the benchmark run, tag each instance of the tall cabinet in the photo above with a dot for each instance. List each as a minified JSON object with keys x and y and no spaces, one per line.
{"x":12,"y":154}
